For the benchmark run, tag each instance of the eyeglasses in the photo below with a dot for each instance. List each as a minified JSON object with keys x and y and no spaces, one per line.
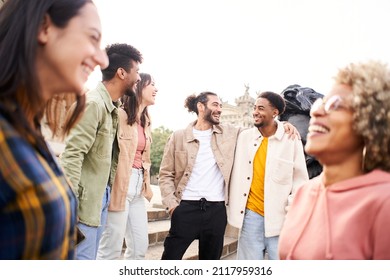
{"x":334,"y":103}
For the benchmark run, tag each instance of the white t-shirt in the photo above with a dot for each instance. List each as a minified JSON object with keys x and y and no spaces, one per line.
{"x":206,"y":179}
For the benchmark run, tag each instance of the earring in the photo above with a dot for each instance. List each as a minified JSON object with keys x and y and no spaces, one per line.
{"x":364,"y":158}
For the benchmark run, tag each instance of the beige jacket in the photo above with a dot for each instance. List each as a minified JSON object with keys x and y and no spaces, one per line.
{"x":285,"y":171}
{"x":128,"y":140}
{"x":179,"y":158}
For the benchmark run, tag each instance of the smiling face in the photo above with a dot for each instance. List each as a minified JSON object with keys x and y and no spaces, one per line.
{"x":67,"y":56}
{"x":131,"y":79}
{"x":213,"y":109}
{"x":263,"y":113}
{"x":331,"y":137}
{"x":149,"y":93}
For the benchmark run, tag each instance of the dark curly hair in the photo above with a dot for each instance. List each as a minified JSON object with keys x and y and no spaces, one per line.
{"x":275,"y":99}
{"x":192,"y":100}
{"x":120,"y":56}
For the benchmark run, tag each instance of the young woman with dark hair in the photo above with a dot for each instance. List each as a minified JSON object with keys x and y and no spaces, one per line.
{"x":127,"y":217}
{"x":47,"y":47}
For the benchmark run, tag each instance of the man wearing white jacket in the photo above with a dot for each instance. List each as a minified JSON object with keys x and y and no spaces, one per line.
{"x":268,"y":168}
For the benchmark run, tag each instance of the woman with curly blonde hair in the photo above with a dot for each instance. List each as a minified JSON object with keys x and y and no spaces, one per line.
{"x":344,"y":213}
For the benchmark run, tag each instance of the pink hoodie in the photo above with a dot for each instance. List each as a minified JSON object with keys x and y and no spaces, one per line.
{"x":347,"y":220}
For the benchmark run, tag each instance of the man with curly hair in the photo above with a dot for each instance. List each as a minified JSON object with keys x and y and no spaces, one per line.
{"x":194,"y":178}
{"x":91,"y":150}
{"x":344,"y":213}
{"x":268,"y":168}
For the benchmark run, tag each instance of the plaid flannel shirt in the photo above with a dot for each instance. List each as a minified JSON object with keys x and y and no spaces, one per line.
{"x":37,"y":206}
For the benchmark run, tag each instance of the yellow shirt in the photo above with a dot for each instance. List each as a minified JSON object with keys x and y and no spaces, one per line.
{"x":256,"y":194}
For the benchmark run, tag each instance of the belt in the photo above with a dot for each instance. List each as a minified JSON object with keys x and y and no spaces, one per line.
{"x":203,"y":203}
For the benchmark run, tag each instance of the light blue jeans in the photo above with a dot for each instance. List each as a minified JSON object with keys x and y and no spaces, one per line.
{"x":130,"y":224}
{"x":252,"y":243}
{"x":87,"y":249}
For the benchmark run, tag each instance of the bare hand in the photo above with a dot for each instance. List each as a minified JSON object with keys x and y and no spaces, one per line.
{"x":291,"y":131}
{"x":170,"y":212}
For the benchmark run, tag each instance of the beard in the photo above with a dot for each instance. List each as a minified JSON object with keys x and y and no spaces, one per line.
{"x":258,"y":125}
{"x":130,"y":92}
{"x":209,"y":118}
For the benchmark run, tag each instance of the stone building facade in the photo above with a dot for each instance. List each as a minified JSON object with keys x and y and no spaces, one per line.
{"x":241,"y":113}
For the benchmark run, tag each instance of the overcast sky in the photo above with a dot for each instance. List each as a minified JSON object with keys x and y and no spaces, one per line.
{"x":191,"y":46}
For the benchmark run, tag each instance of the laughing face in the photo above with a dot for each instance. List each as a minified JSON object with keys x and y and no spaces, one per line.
{"x":331,"y":136}
{"x":68,"y":55}
{"x":263,"y":113}
{"x":213,"y":110}
{"x":132,"y":78}
{"x":149,"y":93}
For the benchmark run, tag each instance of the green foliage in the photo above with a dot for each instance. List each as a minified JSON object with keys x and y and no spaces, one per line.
{"x":160,"y":136}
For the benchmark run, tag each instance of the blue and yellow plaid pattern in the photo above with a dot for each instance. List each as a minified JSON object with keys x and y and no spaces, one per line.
{"x":37,"y":206}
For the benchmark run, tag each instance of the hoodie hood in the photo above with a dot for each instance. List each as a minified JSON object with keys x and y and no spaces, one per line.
{"x":372,"y":178}
{"x":322,"y":222}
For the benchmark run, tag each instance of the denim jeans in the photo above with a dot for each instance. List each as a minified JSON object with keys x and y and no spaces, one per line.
{"x":252,"y":243}
{"x":131,"y":225}
{"x":87,"y":249}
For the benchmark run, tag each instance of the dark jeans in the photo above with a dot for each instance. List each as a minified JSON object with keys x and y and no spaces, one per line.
{"x":199,"y":219}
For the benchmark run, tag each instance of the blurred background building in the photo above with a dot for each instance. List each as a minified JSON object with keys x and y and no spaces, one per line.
{"x":239,"y":114}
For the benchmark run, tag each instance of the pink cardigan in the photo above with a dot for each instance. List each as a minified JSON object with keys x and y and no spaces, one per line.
{"x":347,"y":220}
